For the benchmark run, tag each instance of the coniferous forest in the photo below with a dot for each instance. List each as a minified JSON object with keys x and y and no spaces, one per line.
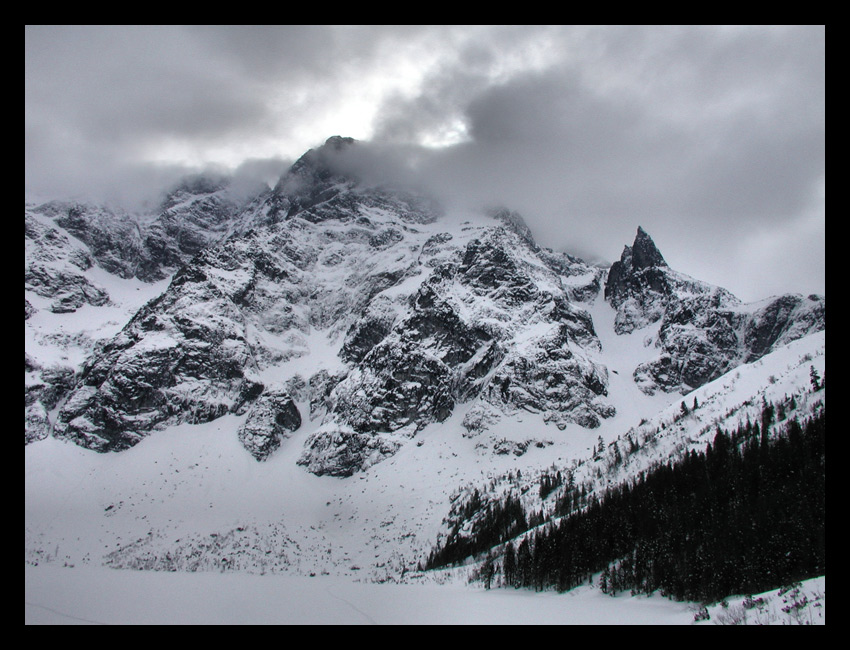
{"x":744,"y":516}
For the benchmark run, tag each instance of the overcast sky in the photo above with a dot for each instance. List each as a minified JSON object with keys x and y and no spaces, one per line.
{"x":712,"y":139}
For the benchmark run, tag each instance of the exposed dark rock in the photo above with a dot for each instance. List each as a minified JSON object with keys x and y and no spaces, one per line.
{"x":781,"y":320}
{"x":44,"y":389}
{"x":369,"y":330}
{"x":183,"y":357}
{"x":345,"y":452}
{"x":320,"y":387}
{"x":36,"y":422}
{"x":196,"y":213}
{"x":644,"y":252}
{"x":458,"y":343}
{"x":582,"y":282}
{"x":55,"y":269}
{"x":409,"y":320}
{"x":514,"y":222}
{"x":704,"y":331}
{"x":112,"y":238}
{"x":239,"y":306}
{"x":434,"y":244}
{"x":639,"y":285}
{"x":273,"y":416}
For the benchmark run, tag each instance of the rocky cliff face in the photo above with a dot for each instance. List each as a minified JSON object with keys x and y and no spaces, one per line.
{"x":271,"y":418}
{"x":703,"y":330}
{"x":55,"y":268}
{"x":363,"y":306}
{"x":149,"y":246}
{"x":77,"y":253}
{"x":239,"y":309}
{"x":492,"y":323}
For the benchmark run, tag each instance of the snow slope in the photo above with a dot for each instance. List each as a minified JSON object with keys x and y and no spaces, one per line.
{"x":333,"y":281}
{"x":99,"y":596}
{"x":192,"y":499}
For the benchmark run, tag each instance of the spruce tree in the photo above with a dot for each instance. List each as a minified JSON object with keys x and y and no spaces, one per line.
{"x":488,"y":570}
{"x":815,"y":379}
{"x":509,"y":566}
{"x":600,"y":446}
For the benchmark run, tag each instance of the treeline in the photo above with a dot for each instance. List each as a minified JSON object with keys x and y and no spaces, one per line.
{"x":499,"y":521}
{"x":745,"y":516}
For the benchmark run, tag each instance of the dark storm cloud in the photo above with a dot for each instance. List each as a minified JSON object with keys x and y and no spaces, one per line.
{"x":101,"y":97}
{"x":96,"y":99}
{"x":124,"y":84}
{"x":702,"y":135}
{"x":297,"y":52}
{"x":265,"y":51}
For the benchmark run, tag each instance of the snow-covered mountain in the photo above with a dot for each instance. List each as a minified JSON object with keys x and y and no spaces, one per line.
{"x":704,"y":330}
{"x":382,"y":359}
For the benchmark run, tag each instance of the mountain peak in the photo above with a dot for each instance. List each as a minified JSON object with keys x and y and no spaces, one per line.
{"x":338,"y":142}
{"x":316,"y":162}
{"x":644,"y":251}
{"x":639,"y":277}
{"x":313,"y":178}
{"x":515,"y":222}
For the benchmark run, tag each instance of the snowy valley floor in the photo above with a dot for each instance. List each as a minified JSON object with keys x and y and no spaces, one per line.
{"x":99,"y":596}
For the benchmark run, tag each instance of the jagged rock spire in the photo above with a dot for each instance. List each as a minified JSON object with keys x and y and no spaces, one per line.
{"x":627,"y":275}
{"x":644,"y":251}
{"x":313,"y":166}
{"x":642,"y":254}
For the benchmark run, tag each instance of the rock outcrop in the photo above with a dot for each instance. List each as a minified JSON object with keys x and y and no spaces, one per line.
{"x":325,"y":297}
{"x":494,"y":324}
{"x":703,"y":331}
{"x":272,"y":416}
